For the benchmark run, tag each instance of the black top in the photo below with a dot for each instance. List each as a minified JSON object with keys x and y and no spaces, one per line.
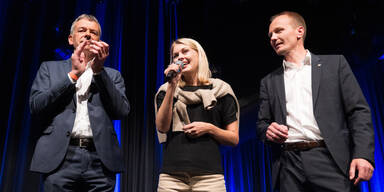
{"x":200,"y":155}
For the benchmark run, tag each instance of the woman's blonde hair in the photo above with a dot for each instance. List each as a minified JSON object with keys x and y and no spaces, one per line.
{"x":204,"y":73}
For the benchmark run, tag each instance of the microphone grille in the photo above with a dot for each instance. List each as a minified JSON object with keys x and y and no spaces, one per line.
{"x":179,"y":63}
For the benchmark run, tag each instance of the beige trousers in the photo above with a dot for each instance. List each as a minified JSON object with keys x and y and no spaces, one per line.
{"x":188,"y":183}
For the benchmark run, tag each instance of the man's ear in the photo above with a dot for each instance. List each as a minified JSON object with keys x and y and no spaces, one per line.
{"x":300,"y":31}
{"x":70,"y":39}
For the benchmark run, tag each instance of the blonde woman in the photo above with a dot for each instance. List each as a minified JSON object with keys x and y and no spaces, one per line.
{"x":194,"y":115}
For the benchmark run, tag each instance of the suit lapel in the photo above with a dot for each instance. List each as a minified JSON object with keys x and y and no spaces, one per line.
{"x":316,"y":75}
{"x":280,"y":89}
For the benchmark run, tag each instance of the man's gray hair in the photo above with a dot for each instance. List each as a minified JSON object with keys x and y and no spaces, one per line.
{"x":84,"y":16}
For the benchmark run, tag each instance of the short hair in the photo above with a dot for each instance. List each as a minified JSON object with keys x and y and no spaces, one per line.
{"x":85,"y":16}
{"x":204,"y":73}
{"x":297,"y":18}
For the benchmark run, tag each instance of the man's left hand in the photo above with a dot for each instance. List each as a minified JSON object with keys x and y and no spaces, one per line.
{"x":362,"y":168}
{"x":100,"y":50}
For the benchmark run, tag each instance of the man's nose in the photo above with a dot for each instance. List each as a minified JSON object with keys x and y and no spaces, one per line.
{"x":273,"y":37}
{"x":88,"y":35}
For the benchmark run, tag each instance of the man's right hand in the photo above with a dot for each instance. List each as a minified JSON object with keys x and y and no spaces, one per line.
{"x":78,"y":59}
{"x":277,"y":133}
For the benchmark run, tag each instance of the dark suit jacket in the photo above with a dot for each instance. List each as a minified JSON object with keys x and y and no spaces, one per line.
{"x":339,"y":107}
{"x":53,"y":101}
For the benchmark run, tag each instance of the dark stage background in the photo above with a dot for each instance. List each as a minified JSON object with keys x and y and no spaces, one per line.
{"x":234,"y":35}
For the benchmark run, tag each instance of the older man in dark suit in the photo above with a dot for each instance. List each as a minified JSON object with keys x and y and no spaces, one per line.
{"x":314,"y":115}
{"x":76,"y":100}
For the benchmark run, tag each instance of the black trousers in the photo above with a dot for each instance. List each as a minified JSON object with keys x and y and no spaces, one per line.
{"x":312,"y":170}
{"x":81,"y":170}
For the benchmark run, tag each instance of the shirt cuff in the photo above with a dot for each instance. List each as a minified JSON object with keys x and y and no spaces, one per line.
{"x":72,"y":81}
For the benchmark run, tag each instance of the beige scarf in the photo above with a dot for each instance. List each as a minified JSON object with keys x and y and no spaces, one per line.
{"x":206,"y":96}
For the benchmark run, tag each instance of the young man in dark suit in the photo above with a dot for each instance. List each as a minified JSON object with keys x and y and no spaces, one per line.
{"x":314,"y":115}
{"x":76,"y":100}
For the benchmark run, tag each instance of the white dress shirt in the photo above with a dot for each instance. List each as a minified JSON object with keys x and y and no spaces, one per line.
{"x":82,"y":125}
{"x":301,"y":123}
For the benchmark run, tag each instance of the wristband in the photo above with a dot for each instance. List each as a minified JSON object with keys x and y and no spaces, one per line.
{"x":73,"y":76}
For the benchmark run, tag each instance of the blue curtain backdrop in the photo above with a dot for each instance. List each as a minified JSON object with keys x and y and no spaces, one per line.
{"x":139,"y":33}
{"x":370,"y":77}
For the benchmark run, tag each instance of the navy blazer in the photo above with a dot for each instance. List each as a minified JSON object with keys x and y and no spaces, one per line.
{"x":339,"y":107}
{"x":53,"y":101}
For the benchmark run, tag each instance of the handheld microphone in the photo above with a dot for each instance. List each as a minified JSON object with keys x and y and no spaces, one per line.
{"x":171,"y":74}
